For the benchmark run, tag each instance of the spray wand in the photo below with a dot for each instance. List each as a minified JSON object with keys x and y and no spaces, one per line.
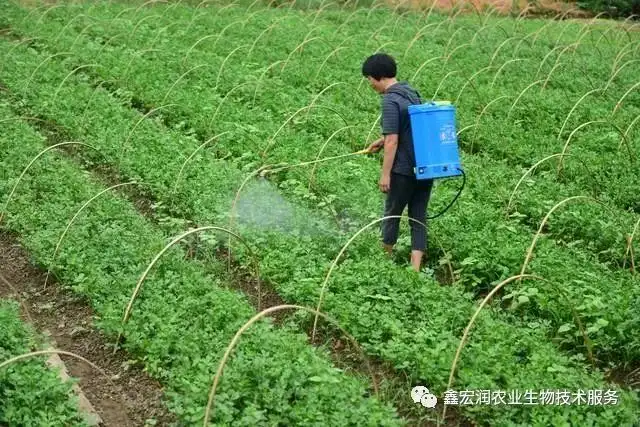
{"x":266,"y":171}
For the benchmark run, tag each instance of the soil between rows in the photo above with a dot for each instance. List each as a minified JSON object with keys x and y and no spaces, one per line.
{"x":133,"y":397}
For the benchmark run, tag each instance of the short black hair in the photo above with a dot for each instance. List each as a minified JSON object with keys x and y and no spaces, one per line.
{"x":379,"y":65}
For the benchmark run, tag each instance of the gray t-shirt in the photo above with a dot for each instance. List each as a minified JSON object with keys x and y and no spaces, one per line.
{"x":395,"y":119}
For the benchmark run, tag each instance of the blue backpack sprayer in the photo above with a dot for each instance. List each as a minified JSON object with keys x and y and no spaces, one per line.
{"x":435,"y":143}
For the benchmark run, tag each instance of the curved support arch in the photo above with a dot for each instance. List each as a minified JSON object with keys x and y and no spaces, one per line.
{"x":180,"y":78}
{"x":484,"y":109}
{"x":224,"y":62}
{"x":613,"y":76}
{"x":136,"y":291}
{"x":259,"y":81}
{"x":622,"y":135}
{"x":450,"y":73}
{"x":629,"y":251}
{"x":435,"y":58}
{"x":191,"y":156}
{"x":315,"y":98}
{"x":335,"y":262}
{"x":576,"y":106}
{"x":66,"y":230}
{"x":474,"y":75}
{"x":273,"y":137}
{"x":543,"y":223}
{"x":532,"y":168}
{"x":633,"y":122}
{"x":24,"y":171}
{"x":333,"y":52}
{"x":201,"y":39}
{"x":500,"y":46}
{"x":233,"y":89}
{"x":253,"y":320}
{"x":25,"y":40}
{"x":58,"y":352}
{"x":544,"y":85}
{"x":304,"y":42}
{"x":521,"y":94}
{"x":486,"y":300}
{"x":313,"y":170}
{"x":125,"y":146}
{"x":619,"y":103}
{"x":48,"y":58}
{"x":448,"y":57}
{"x":495,"y":77}
{"x":373,"y":126}
{"x":55,"y":94}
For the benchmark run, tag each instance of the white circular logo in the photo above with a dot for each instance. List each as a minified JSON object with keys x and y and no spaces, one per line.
{"x":417,"y":392}
{"x":429,"y":400}
{"x":421,"y":394}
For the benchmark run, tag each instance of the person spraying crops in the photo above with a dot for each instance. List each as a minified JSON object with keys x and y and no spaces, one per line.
{"x":397,"y":178}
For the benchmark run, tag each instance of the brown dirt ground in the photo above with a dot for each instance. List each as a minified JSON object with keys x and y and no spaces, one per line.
{"x":131,"y":397}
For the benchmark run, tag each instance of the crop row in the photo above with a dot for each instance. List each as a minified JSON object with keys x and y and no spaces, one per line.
{"x":30,"y":393}
{"x":169,"y":82}
{"x":185,"y":315}
{"x":382,"y":305}
{"x":148,"y":31}
{"x":587,"y":284}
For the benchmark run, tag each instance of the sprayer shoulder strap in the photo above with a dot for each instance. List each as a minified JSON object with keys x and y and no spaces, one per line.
{"x":403,"y":95}
{"x":419,"y":97}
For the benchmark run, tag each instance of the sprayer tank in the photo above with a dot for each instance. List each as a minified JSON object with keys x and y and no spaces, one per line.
{"x":435,"y":141}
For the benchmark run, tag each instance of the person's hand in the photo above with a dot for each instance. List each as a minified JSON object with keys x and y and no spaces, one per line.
{"x":375,"y":146}
{"x":384,"y":183}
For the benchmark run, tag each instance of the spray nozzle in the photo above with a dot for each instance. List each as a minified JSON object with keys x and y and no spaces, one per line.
{"x":275,"y":168}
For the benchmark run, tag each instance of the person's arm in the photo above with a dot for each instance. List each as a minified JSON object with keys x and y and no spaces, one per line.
{"x":390,"y":130}
{"x":390,"y":148}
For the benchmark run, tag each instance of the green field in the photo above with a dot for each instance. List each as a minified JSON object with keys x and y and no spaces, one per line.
{"x":29,"y":393}
{"x":191,"y":101}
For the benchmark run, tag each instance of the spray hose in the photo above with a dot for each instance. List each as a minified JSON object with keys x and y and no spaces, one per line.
{"x":464,"y":180}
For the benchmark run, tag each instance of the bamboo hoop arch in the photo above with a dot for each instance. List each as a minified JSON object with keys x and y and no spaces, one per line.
{"x":623,"y":139}
{"x":482,"y":305}
{"x":24,"y":171}
{"x":629,"y":250}
{"x":177,"y":239}
{"x":254,"y":319}
{"x":184,"y":164}
{"x":543,"y":223}
{"x":59,"y":243}
{"x":531,"y":169}
{"x":335,"y":262}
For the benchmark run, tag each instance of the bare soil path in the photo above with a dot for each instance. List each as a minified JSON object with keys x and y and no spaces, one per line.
{"x":132,"y":397}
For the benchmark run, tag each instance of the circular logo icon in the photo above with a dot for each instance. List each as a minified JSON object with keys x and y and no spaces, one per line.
{"x":420,"y":394}
{"x":417,"y":392}
{"x":429,"y":400}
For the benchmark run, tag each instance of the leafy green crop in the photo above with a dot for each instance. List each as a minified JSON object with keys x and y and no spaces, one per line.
{"x":30,"y":393}
{"x":185,"y":316}
{"x":381,"y":304}
{"x":342,"y":184}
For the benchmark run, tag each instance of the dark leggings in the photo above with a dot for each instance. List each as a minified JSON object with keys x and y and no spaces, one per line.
{"x":406,"y":190}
